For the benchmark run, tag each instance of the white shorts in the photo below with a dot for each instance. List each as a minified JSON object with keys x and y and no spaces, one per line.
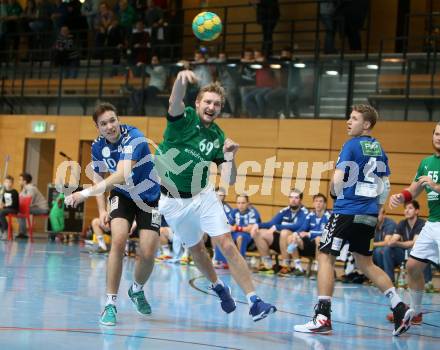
{"x":190,"y":218}
{"x":427,"y":245}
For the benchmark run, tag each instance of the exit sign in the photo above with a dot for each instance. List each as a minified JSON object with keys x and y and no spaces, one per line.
{"x":39,"y":126}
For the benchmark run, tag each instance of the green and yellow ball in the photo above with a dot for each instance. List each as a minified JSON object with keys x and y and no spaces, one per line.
{"x":207,"y":26}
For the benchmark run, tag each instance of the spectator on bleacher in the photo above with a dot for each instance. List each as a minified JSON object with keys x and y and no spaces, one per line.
{"x":385,"y":228}
{"x":10,"y":11}
{"x":226,"y":75}
{"x":282,"y":101}
{"x":59,"y":14}
{"x":327,"y":14}
{"x":354,"y":13}
{"x":154,"y":20}
{"x":66,"y":54}
{"x":89,"y":9}
{"x":8,"y":204}
{"x":42,"y":22}
{"x":138,"y":44}
{"x":265,"y":81}
{"x":126,"y":15}
{"x":306,"y":240}
{"x":109,"y":38}
{"x":274,"y":234}
{"x":268,"y":14}
{"x":39,"y":205}
{"x":157,"y":77}
{"x":401,"y":242}
{"x":242,"y":220}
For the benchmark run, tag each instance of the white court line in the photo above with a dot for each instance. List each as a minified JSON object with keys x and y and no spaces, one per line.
{"x":50,"y":252}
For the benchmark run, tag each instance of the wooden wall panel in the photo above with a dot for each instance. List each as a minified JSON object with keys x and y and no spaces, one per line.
{"x":155,"y":130}
{"x":404,"y":166}
{"x":264,"y":132}
{"x":304,"y":156}
{"x":281,"y":190}
{"x":88,"y":130}
{"x":304,"y":134}
{"x":255,"y":159}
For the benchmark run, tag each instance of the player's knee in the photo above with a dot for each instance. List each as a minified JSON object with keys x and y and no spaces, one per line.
{"x":415,"y":267}
{"x":255,"y":234}
{"x":227,"y":246}
{"x":285,"y":233}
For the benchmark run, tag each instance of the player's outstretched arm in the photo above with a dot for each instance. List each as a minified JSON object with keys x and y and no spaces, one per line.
{"x":177,"y":107}
{"x":123,"y":171}
{"x":412,"y":192}
{"x":228,"y":169}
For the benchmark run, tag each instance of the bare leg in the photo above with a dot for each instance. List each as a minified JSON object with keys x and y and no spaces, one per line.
{"x":373,"y":272}
{"x":203,"y":262}
{"x":284,"y":235}
{"x":148,"y":244}
{"x":415,"y":268}
{"x":120,"y":230}
{"x":326,"y":278}
{"x":263,"y":239}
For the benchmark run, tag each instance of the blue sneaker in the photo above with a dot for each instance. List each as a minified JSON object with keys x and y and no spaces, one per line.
{"x":260,"y":309}
{"x":224,"y":293}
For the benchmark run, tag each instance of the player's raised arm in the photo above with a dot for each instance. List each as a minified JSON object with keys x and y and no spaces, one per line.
{"x":406,"y":195}
{"x":177,"y":107}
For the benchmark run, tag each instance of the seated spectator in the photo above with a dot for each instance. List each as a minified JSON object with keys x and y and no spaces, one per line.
{"x":101,"y":233}
{"x":306,"y":240}
{"x":400,"y":243}
{"x":385,"y":229}
{"x":8,"y":204}
{"x":242,"y":220}
{"x":39,"y":205}
{"x":282,"y":101}
{"x":154,"y":21}
{"x":274,"y":234}
{"x":66,"y":55}
{"x":157,"y":77}
{"x":139,"y":44}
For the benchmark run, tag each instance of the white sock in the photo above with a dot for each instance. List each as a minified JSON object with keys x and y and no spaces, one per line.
{"x":392,"y":295}
{"x":251,"y":297}
{"x":298,"y":264}
{"x":111,"y":299}
{"x":416,"y":300}
{"x":101,"y":242}
{"x":166,"y":250}
{"x":216,"y":283}
{"x":267,"y":262}
{"x":137,"y":287}
{"x":324,"y":297}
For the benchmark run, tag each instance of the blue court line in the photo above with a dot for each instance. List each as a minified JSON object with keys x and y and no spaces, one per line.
{"x":192,"y":284}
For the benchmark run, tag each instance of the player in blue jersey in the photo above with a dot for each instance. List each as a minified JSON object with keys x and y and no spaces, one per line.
{"x":122,"y":151}
{"x":242,"y":220}
{"x":306,"y":241}
{"x":360,"y":185}
{"x":274,"y":233}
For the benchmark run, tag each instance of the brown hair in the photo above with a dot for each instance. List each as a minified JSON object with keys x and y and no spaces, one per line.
{"x":9,"y":177}
{"x":297,"y":191}
{"x":320,"y":195}
{"x":102,"y":108}
{"x":215,"y":88}
{"x":244,"y":195}
{"x":368,"y":112}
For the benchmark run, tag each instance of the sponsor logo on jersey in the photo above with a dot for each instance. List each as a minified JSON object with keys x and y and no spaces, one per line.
{"x":432,"y":196}
{"x":106,"y":152}
{"x":371,"y":149}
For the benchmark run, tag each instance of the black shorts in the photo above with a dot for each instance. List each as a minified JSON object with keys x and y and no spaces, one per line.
{"x":357,"y":230}
{"x":309,"y":249}
{"x":125,"y":208}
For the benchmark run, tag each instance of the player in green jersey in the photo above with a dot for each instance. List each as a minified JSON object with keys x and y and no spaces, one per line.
{"x":192,"y":141}
{"x":427,"y":246}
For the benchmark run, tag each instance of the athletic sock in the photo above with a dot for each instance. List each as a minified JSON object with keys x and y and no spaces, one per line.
{"x":251,"y":298}
{"x":111,"y":299}
{"x":298,"y":265}
{"x":267,"y":262}
{"x":101,"y":242}
{"x":136,"y":287}
{"x":416,"y":300}
{"x":166,"y":250}
{"x":392,"y":295}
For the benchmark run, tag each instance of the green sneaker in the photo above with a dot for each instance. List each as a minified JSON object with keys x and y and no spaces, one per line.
{"x":139,"y":301}
{"x":108,"y":316}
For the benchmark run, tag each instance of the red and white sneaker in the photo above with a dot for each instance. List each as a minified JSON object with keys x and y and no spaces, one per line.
{"x":319,"y":324}
{"x":402,"y":318}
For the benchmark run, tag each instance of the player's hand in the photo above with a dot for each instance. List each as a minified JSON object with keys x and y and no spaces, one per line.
{"x":187,"y":76}
{"x":74,"y":199}
{"x":254,"y":229}
{"x":396,"y":200}
{"x":426,"y":181}
{"x":231,"y":148}
{"x":303,"y":234}
{"x":104,"y":219}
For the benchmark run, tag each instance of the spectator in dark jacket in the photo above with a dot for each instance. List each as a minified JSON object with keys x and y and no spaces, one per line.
{"x":268,"y":14}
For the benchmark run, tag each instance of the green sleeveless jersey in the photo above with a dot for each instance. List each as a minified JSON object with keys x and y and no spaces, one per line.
{"x":430,"y":166}
{"x":186,"y":152}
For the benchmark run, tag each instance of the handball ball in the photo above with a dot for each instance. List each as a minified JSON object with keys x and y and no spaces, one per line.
{"x":207,"y":26}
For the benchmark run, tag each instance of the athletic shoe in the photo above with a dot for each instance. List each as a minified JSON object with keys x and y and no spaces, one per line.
{"x":321,"y":323}
{"x":416,"y":321}
{"x":402,"y":318}
{"x":139,"y":301}
{"x":221,"y":265}
{"x":266,"y":270}
{"x":260,"y":309}
{"x":284,"y":271}
{"x":184,"y":260}
{"x":297,"y":272}
{"x":164,"y":257}
{"x":108,"y":316}
{"x":224,"y":293}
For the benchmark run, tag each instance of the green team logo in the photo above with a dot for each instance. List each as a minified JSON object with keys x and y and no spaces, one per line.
{"x":371,"y":149}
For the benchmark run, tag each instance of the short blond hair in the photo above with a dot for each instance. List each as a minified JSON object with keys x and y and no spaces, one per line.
{"x":368,"y":112}
{"x":215,"y":88}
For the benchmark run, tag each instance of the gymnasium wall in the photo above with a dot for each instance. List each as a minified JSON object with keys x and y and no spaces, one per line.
{"x":299,"y":141}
